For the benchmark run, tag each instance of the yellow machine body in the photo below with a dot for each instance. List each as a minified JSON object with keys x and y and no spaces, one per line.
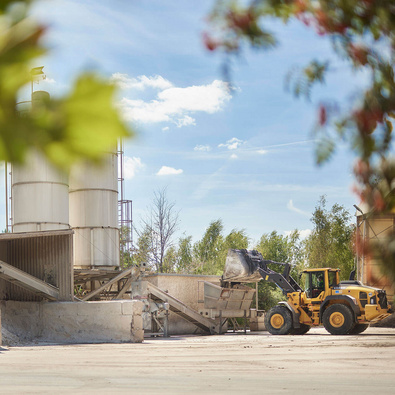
{"x":368,"y":304}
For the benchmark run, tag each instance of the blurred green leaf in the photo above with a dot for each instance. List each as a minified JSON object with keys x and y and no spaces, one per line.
{"x":83,"y":125}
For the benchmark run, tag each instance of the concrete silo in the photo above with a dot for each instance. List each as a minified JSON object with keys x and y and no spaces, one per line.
{"x":86,"y":200}
{"x":39,"y":191}
{"x":93,"y":209}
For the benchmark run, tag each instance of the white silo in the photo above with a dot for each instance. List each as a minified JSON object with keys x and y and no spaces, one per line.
{"x":93,"y":209}
{"x":39,"y":191}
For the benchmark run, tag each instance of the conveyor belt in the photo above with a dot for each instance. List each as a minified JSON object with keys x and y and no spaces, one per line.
{"x":27,"y":281}
{"x":183,"y":310}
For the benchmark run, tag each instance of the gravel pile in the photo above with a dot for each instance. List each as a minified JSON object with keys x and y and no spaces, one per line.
{"x":9,"y":339}
{"x":388,"y":322}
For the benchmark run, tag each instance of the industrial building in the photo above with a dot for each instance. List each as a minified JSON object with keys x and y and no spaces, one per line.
{"x":63,"y":231}
{"x":373,"y":228}
{"x":61,"y":278}
{"x":60,"y":273}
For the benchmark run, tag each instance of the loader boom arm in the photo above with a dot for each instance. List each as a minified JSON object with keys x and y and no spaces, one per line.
{"x":284,"y":281}
{"x":246,"y":266}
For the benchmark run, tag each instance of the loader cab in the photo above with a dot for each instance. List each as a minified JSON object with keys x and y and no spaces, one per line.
{"x":319,"y":281}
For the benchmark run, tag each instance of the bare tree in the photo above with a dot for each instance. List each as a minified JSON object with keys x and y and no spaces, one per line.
{"x":159,"y":228}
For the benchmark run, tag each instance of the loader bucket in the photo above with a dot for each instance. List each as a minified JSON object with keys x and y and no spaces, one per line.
{"x":238,"y":268}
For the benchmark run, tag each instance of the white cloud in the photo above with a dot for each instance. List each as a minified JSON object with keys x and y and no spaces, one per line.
{"x":173,"y":104}
{"x":165,"y":129}
{"x":205,"y":148}
{"x":231,"y":144}
{"x":186,"y":121}
{"x":233,"y":156}
{"x":303,"y":234}
{"x":131,"y":166}
{"x":50,"y":80}
{"x":166,"y":171}
{"x":141,"y":82}
{"x":290,"y":206}
{"x":262,"y":152}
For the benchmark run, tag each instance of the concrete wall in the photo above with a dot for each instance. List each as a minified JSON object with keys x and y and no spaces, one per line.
{"x":73,"y":322}
{"x":186,"y":288}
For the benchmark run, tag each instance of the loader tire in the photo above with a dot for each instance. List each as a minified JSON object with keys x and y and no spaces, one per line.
{"x":359,"y":328}
{"x":300,"y":331}
{"x":278,"y":321}
{"x":338,"y":319}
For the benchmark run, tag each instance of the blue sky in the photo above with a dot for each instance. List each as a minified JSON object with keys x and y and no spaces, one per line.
{"x":245,"y":156}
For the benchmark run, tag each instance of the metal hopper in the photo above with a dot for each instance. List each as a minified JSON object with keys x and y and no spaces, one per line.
{"x":237,"y":299}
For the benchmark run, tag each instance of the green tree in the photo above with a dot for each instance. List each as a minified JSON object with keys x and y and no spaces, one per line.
{"x":330,"y":243}
{"x":207,"y":251}
{"x":142,"y":251}
{"x":236,"y":239}
{"x":185,"y":255}
{"x":209,"y":254}
{"x":362,"y":34}
{"x":82,"y":125}
{"x":170,"y":260}
{"x":277,"y":248}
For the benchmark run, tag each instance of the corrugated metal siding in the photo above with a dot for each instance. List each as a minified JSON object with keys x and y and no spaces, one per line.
{"x":45,"y":255}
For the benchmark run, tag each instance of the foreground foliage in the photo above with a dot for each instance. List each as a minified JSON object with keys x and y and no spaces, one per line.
{"x":362,"y":34}
{"x":81,"y":125}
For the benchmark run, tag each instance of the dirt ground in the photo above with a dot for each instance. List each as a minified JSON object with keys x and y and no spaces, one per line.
{"x":256,"y":363}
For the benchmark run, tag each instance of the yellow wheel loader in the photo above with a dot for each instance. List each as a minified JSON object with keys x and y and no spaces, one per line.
{"x":342,"y":307}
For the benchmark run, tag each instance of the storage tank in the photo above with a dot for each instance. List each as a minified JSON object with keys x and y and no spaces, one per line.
{"x":39,"y":191}
{"x":93,"y":202}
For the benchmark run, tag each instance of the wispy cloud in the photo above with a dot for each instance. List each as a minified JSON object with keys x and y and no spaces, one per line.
{"x":219,"y":181}
{"x":245,"y":149}
{"x":141,"y":82}
{"x":168,"y":171}
{"x":231,"y":144}
{"x":211,"y":182}
{"x":290,"y":206}
{"x":204,"y":148}
{"x":131,"y":167}
{"x":301,"y":142}
{"x":171,"y":104}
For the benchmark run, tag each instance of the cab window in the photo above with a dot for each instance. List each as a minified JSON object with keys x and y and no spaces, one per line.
{"x":332,"y":279}
{"x":315,"y":283}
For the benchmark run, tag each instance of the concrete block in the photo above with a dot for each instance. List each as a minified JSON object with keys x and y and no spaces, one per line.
{"x":137,"y":327}
{"x":99,"y":308}
{"x":129,"y":309}
{"x":92,"y":322}
{"x":257,"y":321}
{"x":75,"y":322}
{"x":57,"y":310}
{"x":137,"y":322}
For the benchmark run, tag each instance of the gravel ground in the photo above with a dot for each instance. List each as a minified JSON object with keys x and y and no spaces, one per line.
{"x":254,"y":363}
